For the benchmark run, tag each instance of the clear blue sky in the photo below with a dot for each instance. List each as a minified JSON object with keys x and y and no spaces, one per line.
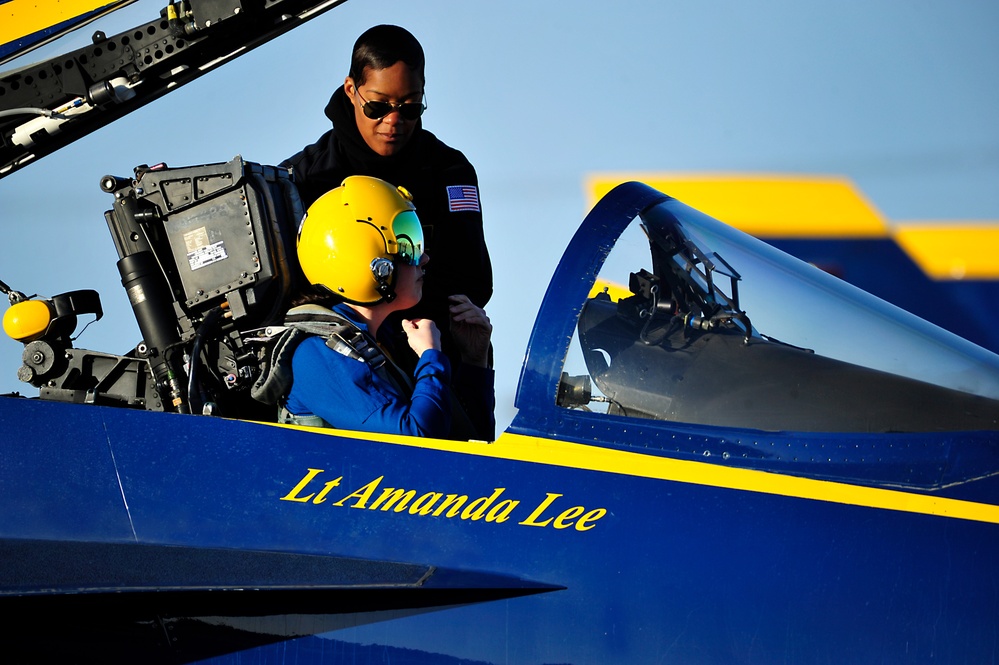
{"x":901,"y":97}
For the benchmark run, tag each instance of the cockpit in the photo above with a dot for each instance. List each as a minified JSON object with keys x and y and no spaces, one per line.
{"x":691,"y":321}
{"x":656,"y":313}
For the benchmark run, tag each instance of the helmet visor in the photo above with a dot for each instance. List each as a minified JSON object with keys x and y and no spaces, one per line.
{"x":409,"y":237}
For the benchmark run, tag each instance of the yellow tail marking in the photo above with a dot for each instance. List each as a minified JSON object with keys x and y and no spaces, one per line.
{"x":952,"y":251}
{"x":765,"y":205}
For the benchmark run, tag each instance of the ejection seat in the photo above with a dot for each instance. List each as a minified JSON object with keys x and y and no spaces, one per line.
{"x":207,"y":254}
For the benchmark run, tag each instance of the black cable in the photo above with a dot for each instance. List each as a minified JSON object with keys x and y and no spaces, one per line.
{"x":210,"y":320}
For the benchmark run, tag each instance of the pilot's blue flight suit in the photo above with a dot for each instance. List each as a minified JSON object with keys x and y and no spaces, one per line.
{"x":348,"y":393}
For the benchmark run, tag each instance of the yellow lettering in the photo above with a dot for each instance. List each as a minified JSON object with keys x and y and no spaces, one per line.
{"x":532,"y":518}
{"x":501,"y":511}
{"x":291,"y":496}
{"x":448,"y":500}
{"x":362,"y":495}
{"x":492,"y":508}
{"x":561,"y":522}
{"x":326,"y":490}
{"x":591,"y":516}
{"x":477,"y":509}
{"x":425,"y":504}
{"x":391,"y":495}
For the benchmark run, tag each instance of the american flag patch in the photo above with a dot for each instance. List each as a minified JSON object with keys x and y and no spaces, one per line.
{"x":463,"y":198}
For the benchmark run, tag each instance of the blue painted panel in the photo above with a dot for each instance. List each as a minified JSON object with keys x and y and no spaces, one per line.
{"x":673,"y":570}
{"x":686,"y":571}
{"x":58,"y":474}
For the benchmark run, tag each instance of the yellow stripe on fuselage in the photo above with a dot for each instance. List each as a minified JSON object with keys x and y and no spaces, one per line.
{"x":553,"y":452}
{"x":20,"y":18}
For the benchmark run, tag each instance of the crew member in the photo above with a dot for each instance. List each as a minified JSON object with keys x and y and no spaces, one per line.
{"x":377,"y":131}
{"x":361,"y":246}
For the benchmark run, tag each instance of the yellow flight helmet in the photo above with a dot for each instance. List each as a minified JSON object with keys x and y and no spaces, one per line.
{"x":352,"y":235}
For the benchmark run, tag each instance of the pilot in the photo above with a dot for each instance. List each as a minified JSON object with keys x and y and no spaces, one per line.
{"x":361,"y":247}
{"x":377,"y":131}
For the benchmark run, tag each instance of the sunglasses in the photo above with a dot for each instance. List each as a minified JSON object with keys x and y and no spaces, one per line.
{"x":377,"y":110}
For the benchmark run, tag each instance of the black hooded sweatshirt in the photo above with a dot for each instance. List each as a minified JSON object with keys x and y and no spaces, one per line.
{"x":459,"y":261}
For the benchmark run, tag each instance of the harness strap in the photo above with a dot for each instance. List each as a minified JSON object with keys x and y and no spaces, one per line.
{"x":344,"y":337}
{"x":341,"y":335}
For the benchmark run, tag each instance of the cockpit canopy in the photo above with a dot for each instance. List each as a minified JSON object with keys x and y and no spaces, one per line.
{"x":691,"y":321}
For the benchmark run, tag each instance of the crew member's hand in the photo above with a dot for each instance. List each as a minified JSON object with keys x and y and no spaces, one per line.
{"x":471,"y":330}
{"x":422,"y":334}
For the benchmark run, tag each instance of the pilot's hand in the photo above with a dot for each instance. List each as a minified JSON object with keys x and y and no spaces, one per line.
{"x":422,"y":334}
{"x":471,"y":330}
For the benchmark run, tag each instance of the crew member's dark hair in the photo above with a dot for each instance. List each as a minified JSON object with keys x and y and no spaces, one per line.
{"x":381,"y":47}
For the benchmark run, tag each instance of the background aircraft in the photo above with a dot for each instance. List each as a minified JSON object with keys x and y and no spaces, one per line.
{"x":899,"y":99}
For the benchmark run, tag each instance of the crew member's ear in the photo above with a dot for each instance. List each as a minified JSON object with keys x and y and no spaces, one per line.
{"x":349,"y":87}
